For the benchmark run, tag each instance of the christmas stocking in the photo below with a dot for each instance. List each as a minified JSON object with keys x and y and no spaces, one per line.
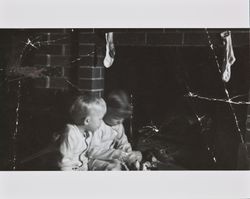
{"x":110,"y":50}
{"x":229,"y":58}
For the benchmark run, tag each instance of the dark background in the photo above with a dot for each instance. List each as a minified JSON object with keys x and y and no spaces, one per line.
{"x":157,"y":78}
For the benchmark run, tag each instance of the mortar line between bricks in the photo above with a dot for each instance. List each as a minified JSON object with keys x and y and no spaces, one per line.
{"x":91,"y":67}
{"x":98,"y":78}
{"x":92,"y":90}
{"x":86,"y":33}
{"x":164,"y":45}
{"x":86,"y":44}
{"x":86,"y":54}
{"x":52,"y":55}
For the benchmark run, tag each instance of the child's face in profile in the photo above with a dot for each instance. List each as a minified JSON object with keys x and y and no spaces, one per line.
{"x":95,"y":119}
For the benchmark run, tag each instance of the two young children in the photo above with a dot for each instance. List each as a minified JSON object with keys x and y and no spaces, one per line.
{"x":96,"y":139}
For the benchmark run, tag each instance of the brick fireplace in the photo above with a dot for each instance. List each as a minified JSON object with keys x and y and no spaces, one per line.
{"x":77,"y":57}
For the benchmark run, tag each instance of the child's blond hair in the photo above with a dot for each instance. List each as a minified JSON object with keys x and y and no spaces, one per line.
{"x":83,"y":105}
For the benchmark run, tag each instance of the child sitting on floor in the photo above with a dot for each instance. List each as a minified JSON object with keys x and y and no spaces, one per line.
{"x":109,"y":148}
{"x":86,"y":114}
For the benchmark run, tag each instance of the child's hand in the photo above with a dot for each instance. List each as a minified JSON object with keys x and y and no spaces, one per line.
{"x":127,"y":148}
{"x":134,"y":156}
{"x":115,"y":165}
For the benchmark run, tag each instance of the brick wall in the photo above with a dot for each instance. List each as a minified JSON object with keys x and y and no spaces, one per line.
{"x":176,"y":37}
{"x":54,"y":54}
{"x":91,"y":69}
{"x":74,"y":58}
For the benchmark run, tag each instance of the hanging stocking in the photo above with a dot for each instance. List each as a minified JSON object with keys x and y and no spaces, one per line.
{"x":110,"y":50}
{"x":229,"y":58}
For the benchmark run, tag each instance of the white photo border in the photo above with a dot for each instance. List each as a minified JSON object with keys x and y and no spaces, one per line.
{"x":124,"y":14}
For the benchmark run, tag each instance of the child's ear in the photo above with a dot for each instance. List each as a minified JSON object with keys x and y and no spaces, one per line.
{"x":86,"y":121}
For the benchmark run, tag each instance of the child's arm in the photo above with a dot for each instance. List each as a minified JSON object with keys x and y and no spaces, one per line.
{"x":103,"y":144}
{"x":103,"y":154}
{"x":66,"y":162}
{"x":119,"y":149}
{"x":70,"y":153}
{"x":102,"y":165}
{"x":122,"y":143}
{"x":122,"y":140}
{"x":66,"y":149}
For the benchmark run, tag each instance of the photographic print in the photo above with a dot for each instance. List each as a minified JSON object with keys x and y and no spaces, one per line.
{"x":124,"y":99}
{"x":127,"y":99}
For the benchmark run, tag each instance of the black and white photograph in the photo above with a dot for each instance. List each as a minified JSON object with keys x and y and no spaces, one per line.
{"x":124,"y":99}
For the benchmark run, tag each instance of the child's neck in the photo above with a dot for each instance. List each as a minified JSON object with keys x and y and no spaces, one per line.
{"x":82,"y":129}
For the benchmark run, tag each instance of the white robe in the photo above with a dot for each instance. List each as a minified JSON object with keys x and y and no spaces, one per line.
{"x":73,"y":149}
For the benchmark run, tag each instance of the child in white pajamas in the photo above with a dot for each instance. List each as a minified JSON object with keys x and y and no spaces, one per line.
{"x":109,"y":148}
{"x":86,"y":114}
